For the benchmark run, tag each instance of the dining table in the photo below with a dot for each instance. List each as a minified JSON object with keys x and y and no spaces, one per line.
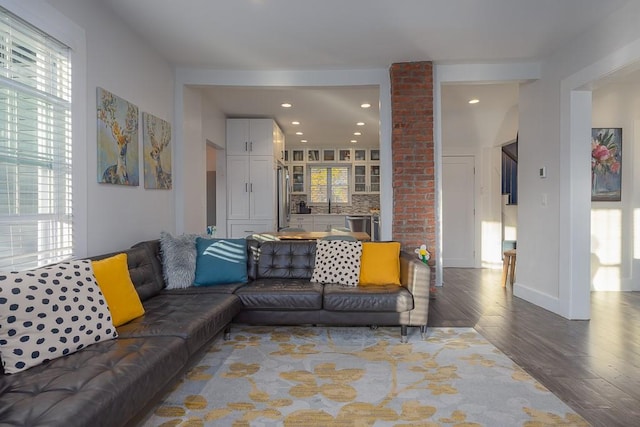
{"x":310,"y":235}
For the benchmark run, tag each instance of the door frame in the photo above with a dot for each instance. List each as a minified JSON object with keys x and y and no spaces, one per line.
{"x":477,"y":244}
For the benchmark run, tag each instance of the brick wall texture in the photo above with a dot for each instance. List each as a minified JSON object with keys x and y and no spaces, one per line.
{"x":413,"y":156}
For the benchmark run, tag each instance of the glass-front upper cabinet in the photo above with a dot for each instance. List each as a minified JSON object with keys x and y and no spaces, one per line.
{"x":374,"y":155}
{"x":313,"y":155}
{"x":297,"y":179}
{"x":360,"y":155}
{"x":344,"y":155}
{"x":366,"y":178}
{"x":328,"y":155}
{"x":374,"y":178}
{"x":297,"y":155}
{"x":359,"y":178}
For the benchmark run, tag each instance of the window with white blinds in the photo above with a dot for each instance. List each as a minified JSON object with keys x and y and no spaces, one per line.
{"x":35,"y":147}
{"x":329,"y":183}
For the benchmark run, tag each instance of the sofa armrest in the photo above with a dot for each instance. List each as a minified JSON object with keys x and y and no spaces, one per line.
{"x":416,"y":277}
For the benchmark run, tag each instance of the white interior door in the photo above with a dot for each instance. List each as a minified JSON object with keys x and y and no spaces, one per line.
{"x":458,"y":211}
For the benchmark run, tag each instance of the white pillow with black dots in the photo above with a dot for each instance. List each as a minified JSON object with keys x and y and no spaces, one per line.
{"x":50,"y":312}
{"x":337,"y":261}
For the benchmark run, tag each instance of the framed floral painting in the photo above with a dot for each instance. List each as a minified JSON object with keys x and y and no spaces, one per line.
{"x":606,"y":164}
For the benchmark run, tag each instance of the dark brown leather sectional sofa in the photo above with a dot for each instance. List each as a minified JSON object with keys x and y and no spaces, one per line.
{"x":115,"y":383}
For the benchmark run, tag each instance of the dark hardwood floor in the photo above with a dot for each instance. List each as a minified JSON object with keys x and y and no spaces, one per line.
{"x":594,"y":366}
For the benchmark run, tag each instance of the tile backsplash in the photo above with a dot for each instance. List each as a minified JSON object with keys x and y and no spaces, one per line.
{"x":360,"y":204}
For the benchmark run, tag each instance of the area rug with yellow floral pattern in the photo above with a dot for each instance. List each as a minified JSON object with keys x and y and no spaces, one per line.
{"x":355,"y":376}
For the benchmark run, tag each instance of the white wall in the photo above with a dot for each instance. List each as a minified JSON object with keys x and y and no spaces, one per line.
{"x":615,"y":265}
{"x":215,"y":127}
{"x":200,"y":123}
{"x":193,"y":165}
{"x":119,"y":61}
{"x":555,"y":122}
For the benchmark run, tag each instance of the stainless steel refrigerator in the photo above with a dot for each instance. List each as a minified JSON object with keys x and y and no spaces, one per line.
{"x":284,"y":197}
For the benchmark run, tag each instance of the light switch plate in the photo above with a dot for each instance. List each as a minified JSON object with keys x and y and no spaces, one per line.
{"x":542,"y":172}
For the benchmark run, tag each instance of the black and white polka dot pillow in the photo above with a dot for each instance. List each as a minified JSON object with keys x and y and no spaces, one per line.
{"x":337,"y":261}
{"x":50,"y":312}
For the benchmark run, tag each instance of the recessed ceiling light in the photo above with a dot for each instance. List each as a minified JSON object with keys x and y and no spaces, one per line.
{"x":354,"y":140}
{"x":286,"y":105}
{"x":295,"y":123}
{"x":357,"y":133}
{"x":303,"y":140}
{"x":360,"y":123}
{"x":365,"y":105}
{"x":299,"y":133}
{"x":474,"y":101}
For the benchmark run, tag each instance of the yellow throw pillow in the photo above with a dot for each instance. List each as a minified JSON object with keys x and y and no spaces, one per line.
{"x":380,"y":263}
{"x":112,"y":275}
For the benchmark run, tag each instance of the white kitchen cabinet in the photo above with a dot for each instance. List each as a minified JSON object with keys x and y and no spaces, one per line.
{"x":253,"y":147}
{"x":374,"y":178}
{"x":255,"y":137}
{"x":327,"y":222}
{"x":360,"y":178}
{"x":360,"y":155}
{"x":344,"y":155}
{"x":238,"y":229}
{"x":301,"y":221}
{"x":278,"y":146}
{"x":366,"y":174}
{"x":250,"y":187}
{"x":298,"y":177}
{"x":297,"y":156}
{"x":317,"y":222}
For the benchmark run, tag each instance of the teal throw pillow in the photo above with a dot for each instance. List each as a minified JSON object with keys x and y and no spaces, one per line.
{"x":220,"y":261}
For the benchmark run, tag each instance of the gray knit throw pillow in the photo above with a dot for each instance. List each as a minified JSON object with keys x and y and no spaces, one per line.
{"x":178,"y":259}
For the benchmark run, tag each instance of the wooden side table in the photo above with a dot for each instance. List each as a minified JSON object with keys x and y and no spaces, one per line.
{"x":508,"y":266}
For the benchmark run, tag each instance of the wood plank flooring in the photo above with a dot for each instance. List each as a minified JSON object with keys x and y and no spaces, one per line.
{"x":594,"y":366}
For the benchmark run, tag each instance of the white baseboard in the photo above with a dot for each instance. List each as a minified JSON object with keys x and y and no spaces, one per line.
{"x":538,"y":298}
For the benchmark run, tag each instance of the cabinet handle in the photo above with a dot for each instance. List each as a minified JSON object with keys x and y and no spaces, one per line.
{"x":246,"y":187}
{"x":251,"y":146}
{"x":251,"y":187}
{"x":246,"y":144}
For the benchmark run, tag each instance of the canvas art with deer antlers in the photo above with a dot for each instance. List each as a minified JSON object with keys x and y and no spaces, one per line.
{"x":117,"y":140}
{"x":157,"y":153}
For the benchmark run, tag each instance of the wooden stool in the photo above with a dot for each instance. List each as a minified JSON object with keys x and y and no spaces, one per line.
{"x":508,"y":266}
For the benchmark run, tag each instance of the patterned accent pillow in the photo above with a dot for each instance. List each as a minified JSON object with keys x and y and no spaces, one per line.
{"x":178,"y":260}
{"x":50,"y":312}
{"x":337,"y":261}
{"x":221,"y":261}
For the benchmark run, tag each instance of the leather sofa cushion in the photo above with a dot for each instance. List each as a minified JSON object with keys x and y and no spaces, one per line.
{"x":228,"y":288}
{"x":145,"y":271}
{"x":383,"y":298}
{"x":286,"y":260}
{"x":191,"y":317}
{"x":84,"y":388}
{"x":276,"y":294}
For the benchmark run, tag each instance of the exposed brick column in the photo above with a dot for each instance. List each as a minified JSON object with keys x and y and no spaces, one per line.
{"x":413,"y":158}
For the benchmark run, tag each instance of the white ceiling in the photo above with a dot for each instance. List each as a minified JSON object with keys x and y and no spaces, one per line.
{"x":339,"y":34}
{"x":327,"y":115}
